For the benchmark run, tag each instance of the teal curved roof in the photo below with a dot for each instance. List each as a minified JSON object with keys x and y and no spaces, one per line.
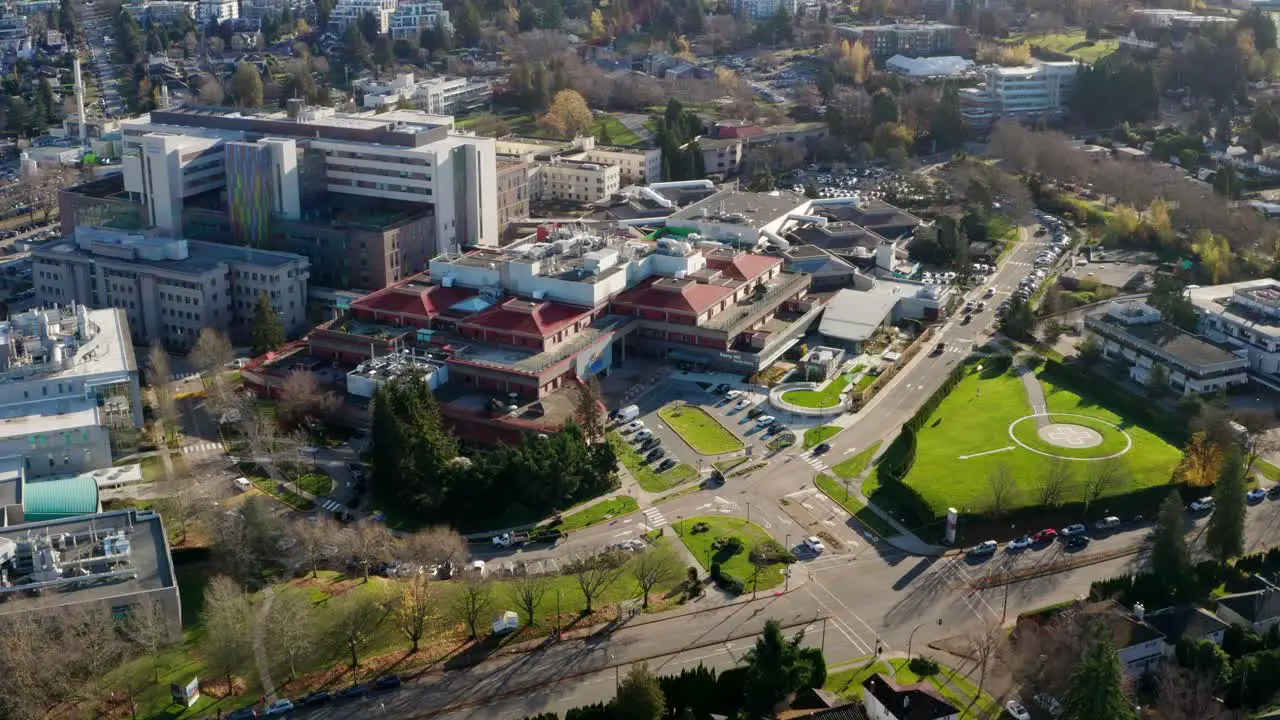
{"x":59,"y":497}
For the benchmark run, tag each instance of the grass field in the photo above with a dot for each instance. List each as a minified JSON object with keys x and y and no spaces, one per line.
{"x":609,"y":130}
{"x":815,"y":435}
{"x":598,"y":513}
{"x":1073,"y":43}
{"x":828,"y":396}
{"x":847,"y":683}
{"x":1113,"y":441}
{"x":837,"y":491}
{"x":738,"y":565}
{"x":854,"y":466}
{"x":645,"y":473}
{"x":702,"y":432}
{"x":949,"y":470}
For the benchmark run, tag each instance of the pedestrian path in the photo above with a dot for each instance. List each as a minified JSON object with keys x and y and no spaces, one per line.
{"x":201,"y":447}
{"x":653,"y":518}
{"x":814,"y":461}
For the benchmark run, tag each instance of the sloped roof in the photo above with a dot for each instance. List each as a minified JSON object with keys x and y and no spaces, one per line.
{"x":688,"y":297}
{"x":908,"y":702}
{"x":414,"y":299}
{"x":57,"y":498}
{"x":744,"y":266}
{"x":545,"y":319}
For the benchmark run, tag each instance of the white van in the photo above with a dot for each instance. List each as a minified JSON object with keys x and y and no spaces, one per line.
{"x":242,"y":483}
{"x":627,"y":414}
{"x":1107,"y":523}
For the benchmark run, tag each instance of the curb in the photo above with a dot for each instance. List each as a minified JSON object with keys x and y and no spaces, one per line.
{"x":987,"y":583}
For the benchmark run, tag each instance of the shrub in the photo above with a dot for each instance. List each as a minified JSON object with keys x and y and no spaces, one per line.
{"x":700,"y":527}
{"x":715,"y":572}
{"x":923,"y":666}
{"x":771,"y":551}
{"x":727,"y":544}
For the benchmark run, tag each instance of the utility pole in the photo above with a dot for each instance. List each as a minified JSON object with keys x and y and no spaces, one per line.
{"x":823,"y":647}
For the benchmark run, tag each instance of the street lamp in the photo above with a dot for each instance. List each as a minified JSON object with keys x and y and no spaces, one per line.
{"x":912,"y":636}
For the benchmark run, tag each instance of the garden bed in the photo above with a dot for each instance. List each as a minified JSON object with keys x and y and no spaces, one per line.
{"x":734,"y":565}
{"x":702,"y":432}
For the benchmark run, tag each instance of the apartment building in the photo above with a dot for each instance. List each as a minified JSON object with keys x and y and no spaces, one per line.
{"x":169,"y":289}
{"x":68,"y":376}
{"x":411,"y":18}
{"x":1135,"y":333}
{"x":1244,"y":318}
{"x":636,"y":166}
{"x":160,"y":11}
{"x":346,"y":12}
{"x":255,"y":10}
{"x":762,"y":9}
{"x":514,"y":178}
{"x":217,"y":10}
{"x":578,"y":170}
{"x":436,"y":96}
{"x":1041,"y":90}
{"x":14,"y":36}
{"x":909,"y":39}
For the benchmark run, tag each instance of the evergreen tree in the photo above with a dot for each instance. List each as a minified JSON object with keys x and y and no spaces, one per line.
{"x":639,"y":696}
{"x":369,"y":27}
{"x":777,"y":668}
{"x":1095,"y":690}
{"x":267,"y":332}
{"x":466,"y":26}
{"x":1224,"y":536}
{"x":946,"y":127}
{"x":1170,"y":559}
{"x":884,"y":107}
{"x":355,"y":49}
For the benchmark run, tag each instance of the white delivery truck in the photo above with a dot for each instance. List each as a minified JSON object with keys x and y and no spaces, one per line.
{"x":627,"y":414}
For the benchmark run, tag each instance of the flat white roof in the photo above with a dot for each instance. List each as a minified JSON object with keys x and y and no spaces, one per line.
{"x":83,"y":414}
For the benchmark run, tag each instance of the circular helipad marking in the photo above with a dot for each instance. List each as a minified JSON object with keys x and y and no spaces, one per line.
{"x":1070,"y":436}
{"x":1070,"y":432}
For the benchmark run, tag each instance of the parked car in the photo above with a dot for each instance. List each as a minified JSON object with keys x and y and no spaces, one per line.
{"x":1073,"y":530}
{"x":650,"y":444}
{"x":821,"y":448}
{"x":1018,"y":543}
{"x":721,"y":389}
{"x":1202,"y":505}
{"x":939,"y":348}
{"x":1049,"y":704}
{"x":765,"y":420}
{"x":1255,"y":495}
{"x":1107,"y":523}
{"x":814,"y":544}
{"x":755,"y":412}
{"x":633,"y":426}
{"x":743,"y":403}
{"x":643,"y":435}
{"x":1017,"y":711}
{"x":989,"y":293}
{"x":733,"y":395}
{"x":243,"y":714}
{"x":355,"y":691}
{"x":387,"y":682}
{"x":279,"y":707}
{"x":667,"y":464}
{"x":655,"y":454}
{"x":1046,"y":535}
{"x":319,"y":697}
{"x":1273,"y":492}
{"x":1077,"y":542}
{"x":983,"y":549}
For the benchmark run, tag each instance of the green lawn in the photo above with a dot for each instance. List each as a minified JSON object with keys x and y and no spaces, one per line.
{"x":837,"y":491}
{"x":1267,"y":470}
{"x":737,"y":566}
{"x":815,"y":435}
{"x":975,"y":419}
{"x":1113,"y":440}
{"x":866,"y":379}
{"x":854,"y":466}
{"x":316,"y":483}
{"x":645,"y":473}
{"x":1075,"y":44}
{"x":828,"y":396}
{"x":609,"y":130}
{"x":598,"y":513}
{"x":702,"y":432}
{"x":847,"y":683}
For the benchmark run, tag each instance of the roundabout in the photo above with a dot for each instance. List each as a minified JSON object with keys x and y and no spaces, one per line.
{"x":1070,"y":436}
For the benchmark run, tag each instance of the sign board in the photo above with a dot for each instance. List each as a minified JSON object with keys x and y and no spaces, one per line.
{"x":186,"y":695}
{"x":953,"y":518}
{"x":343,"y":302}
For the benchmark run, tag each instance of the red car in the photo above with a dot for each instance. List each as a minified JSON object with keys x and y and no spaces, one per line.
{"x":1046,"y":535}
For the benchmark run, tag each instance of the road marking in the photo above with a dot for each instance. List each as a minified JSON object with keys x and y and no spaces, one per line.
{"x":653,"y":519}
{"x":988,"y":452}
{"x":857,"y":642}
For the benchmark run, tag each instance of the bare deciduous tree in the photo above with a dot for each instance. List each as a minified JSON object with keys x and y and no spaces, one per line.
{"x":290,"y":632}
{"x":527,"y":592}
{"x":474,"y":598}
{"x":228,"y":625}
{"x":1187,"y":695}
{"x":356,"y":616}
{"x":437,"y":545}
{"x":367,"y":542}
{"x":1103,"y":476}
{"x":1053,"y":483}
{"x":653,"y":568}
{"x":594,"y":574}
{"x":147,"y":628}
{"x":302,"y":396}
{"x":1002,"y":489}
{"x":160,"y":377}
{"x":315,"y":541}
{"x":415,"y":609}
{"x":212,"y":353}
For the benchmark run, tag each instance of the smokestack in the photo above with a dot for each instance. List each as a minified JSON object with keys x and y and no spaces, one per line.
{"x":75,"y":71}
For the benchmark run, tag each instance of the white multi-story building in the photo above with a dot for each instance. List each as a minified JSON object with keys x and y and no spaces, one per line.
{"x":413,"y":16}
{"x":575,"y":181}
{"x":67,"y":376}
{"x":171,"y":289}
{"x":160,"y":11}
{"x":1244,"y":317}
{"x":637,"y":166}
{"x":1134,"y":333}
{"x":218,"y":10}
{"x":762,"y":9}
{"x":262,"y":161}
{"x":14,"y":37}
{"x":438,"y":96}
{"x":1037,"y":90}
{"x":350,"y":11}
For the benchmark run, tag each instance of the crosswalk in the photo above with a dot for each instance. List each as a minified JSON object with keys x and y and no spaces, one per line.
{"x":202,"y":448}
{"x":653,"y":518}
{"x":329,"y":504}
{"x":184,"y":375}
{"x":814,"y":461}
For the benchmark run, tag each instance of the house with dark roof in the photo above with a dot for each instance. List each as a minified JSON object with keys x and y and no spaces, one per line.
{"x":884,"y":699}
{"x":1258,"y":610}
{"x":1187,"y":621}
